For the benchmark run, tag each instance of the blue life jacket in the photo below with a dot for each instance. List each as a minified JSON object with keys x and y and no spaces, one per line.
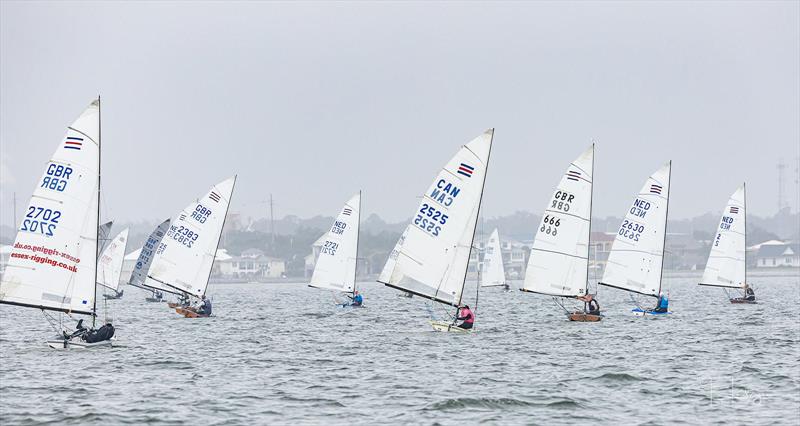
{"x":663,"y":302}
{"x":358,"y":300}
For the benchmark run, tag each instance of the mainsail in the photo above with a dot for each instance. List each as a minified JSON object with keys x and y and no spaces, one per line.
{"x":109,"y":266}
{"x":726,"y":262}
{"x":183,"y":261}
{"x":142,"y":266}
{"x":336,"y":265}
{"x":493,"y":273}
{"x":54,"y":258}
{"x":559,"y":260}
{"x":431,"y":257}
{"x":637,"y":254}
{"x":103,"y":236}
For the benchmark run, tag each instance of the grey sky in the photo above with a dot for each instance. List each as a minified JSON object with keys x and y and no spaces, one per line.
{"x":314,"y":101}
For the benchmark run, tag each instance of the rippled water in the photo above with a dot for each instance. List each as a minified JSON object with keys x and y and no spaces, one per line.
{"x":282,"y":354}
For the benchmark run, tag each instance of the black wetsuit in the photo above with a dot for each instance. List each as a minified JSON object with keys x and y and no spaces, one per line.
{"x":592,"y":307}
{"x":103,"y":333}
{"x":749,"y":295}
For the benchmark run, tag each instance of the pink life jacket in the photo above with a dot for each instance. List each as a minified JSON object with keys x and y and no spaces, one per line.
{"x":467,"y":313}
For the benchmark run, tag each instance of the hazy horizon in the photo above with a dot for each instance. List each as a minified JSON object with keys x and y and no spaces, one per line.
{"x":313,"y":101}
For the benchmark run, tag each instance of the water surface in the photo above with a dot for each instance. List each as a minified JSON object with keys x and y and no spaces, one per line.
{"x":282,"y":354}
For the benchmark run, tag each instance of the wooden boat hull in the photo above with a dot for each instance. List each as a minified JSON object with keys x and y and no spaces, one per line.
{"x":648,"y":313}
{"x":741,"y":301}
{"x":584,"y":317}
{"x":189,"y":313}
{"x":446,"y":326}
{"x":173,"y":305}
{"x":77,"y":344}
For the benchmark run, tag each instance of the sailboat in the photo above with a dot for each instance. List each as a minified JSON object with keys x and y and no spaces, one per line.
{"x":636,"y":261}
{"x":109,"y":268}
{"x":142,"y":266}
{"x":493,"y":274}
{"x":336,"y":265}
{"x":184,"y":258}
{"x":559,"y":262}
{"x":726,"y":265}
{"x":103,"y":234}
{"x":53,"y":263}
{"x":431,"y":257}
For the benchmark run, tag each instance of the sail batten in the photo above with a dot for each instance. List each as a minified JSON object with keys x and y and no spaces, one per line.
{"x":53,"y":261}
{"x":431,"y":257}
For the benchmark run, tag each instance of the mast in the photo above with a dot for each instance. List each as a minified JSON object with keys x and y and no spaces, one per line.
{"x":97,"y":225}
{"x":589,"y":240}
{"x":358,"y":237}
{"x":480,"y":201}
{"x":744,"y":201}
{"x":216,"y":248}
{"x":666,"y":220}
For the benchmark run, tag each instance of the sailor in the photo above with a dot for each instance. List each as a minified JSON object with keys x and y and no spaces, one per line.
{"x":749,"y":294}
{"x":662,"y":305}
{"x":205,"y":307}
{"x":357,"y":299}
{"x":465,"y":315}
{"x":105,"y":332}
{"x":590,"y":304}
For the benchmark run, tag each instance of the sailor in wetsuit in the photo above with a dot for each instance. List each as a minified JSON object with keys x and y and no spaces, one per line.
{"x":749,"y":294}
{"x":205,"y":307}
{"x":590,"y":304}
{"x":662,"y":305}
{"x":358,"y":300}
{"x":465,"y":315}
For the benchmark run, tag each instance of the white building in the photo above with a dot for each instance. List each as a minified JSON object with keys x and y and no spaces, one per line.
{"x":782,"y":255}
{"x":251,"y":264}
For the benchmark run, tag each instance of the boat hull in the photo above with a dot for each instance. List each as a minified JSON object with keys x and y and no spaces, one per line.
{"x":153,"y":299}
{"x":648,"y":313}
{"x":584,"y":317}
{"x":445,"y":326}
{"x":741,"y":301}
{"x":189,"y":313}
{"x":77,"y":344}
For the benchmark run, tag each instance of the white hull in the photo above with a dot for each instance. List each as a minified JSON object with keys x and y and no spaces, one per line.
{"x":445,"y":326}
{"x":77,"y":344}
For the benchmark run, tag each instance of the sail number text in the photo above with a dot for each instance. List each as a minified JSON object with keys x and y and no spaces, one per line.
{"x":429,"y":219}
{"x":562,"y":201}
{"x":201,"y":213}
{"x":56,"y":177}
{"x":329,"y":248}
{"x":550,"y":225}
{"x":41,"y":221}
{"x":726,"y":223}
{"x":338,"y":227}
{"x":182,"y":235}
{"x":631,"y":230}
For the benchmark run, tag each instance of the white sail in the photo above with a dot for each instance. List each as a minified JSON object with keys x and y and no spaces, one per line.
{"x":559,"y":257}
{"x":53,"y":262}
{"x":637,"y":253}
{"x":142,"y":266}
{"x":726,"y":262}
{"x":103,"y":236}
{"x":109,"y":266}
{"x":336,"y":266}
{"x":493,"y":273}
{"x":183,"y":260}
{"x":431,"y":257}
